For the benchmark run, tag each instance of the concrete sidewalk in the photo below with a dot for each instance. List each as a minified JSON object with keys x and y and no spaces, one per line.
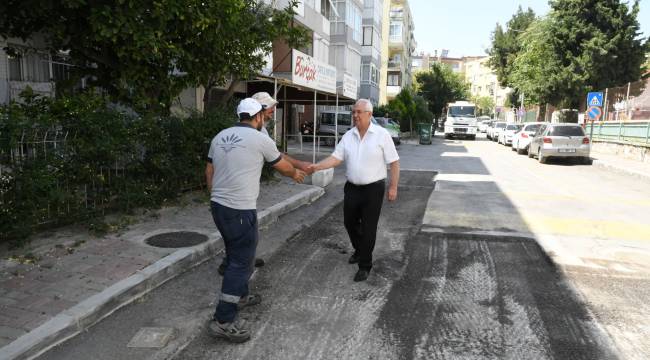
{"x":619,"y":164}
{"x":67,"y":280}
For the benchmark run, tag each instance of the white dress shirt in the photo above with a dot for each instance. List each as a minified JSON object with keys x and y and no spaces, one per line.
{"x":366,"y":158}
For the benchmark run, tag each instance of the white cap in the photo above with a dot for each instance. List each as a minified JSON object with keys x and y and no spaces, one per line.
{"x":248,"y":108}
{"x":265,"y":99}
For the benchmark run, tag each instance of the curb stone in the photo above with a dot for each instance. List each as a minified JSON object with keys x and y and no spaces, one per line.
{"x":74,"y":320}
{"x":620,"y":170}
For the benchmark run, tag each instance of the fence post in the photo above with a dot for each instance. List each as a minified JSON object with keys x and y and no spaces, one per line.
{"x":605,"y":105}
{"x":627,"y":102}
{"x":620,"y":128}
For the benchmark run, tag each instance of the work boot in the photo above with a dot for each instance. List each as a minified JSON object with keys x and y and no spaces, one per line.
{"x":353,"y":259}
{"x":249,"y":300}
{"x":229,"y":331}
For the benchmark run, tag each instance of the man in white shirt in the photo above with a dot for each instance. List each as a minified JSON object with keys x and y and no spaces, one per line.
{"x":366,"y":149}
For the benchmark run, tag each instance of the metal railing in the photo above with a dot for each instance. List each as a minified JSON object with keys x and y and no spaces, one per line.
{"x":631,"y":132}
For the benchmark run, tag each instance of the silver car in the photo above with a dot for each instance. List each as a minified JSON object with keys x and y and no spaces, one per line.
{"x":560,"y":141}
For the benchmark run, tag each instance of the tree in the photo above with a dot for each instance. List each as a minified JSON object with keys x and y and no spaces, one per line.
{"x":507,"y":44}
{"x":146,"y":52}
{"x":533,"y":69}
{"x":409,"y":108}
{"x":440,"y":86}
{"x":596,"y":44}
{"x":484,"y":104}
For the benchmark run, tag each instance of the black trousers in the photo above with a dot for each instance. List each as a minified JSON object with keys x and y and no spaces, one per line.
{"x":361,"y":209}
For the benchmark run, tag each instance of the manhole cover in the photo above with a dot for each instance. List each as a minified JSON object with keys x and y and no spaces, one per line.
{"x":177,"y":239}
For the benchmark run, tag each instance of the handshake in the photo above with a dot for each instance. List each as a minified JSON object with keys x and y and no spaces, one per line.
{"x":303,"y":168}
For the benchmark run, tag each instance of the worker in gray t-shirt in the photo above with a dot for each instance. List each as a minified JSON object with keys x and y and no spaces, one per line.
{"x":233,"y":171}
{"x":268,"y":108}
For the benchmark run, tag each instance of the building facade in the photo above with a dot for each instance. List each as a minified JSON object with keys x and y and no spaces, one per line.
{"x":371,"y":49}
{"x":398,"y":47}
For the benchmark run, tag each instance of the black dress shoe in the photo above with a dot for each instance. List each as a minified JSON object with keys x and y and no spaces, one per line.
{"x":353,"y":259}
{"x":361,"y":275}
{"x":259,"y":262}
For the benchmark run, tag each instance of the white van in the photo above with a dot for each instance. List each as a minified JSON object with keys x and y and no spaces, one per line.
{"x":326,"y":125}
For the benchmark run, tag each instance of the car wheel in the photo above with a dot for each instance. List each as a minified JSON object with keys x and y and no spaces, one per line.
{"x":521,"y":151}
{"x":541,"y":158}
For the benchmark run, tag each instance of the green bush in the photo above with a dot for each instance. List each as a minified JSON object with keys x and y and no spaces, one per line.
{"x":71,"y":159}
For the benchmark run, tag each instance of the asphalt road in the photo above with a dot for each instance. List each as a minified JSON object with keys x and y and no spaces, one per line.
{"x":434,"y":293}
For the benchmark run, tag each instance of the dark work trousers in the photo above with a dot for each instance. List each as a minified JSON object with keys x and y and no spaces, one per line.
{"x":238,"y":229}
{"x":361,"y":209}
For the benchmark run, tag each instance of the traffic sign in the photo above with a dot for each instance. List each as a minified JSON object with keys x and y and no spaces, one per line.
{"x":595,"y":99}
{"x":594,"y":113}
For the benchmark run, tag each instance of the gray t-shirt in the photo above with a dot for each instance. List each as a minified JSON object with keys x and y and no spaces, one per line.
{"x":238,"y":154}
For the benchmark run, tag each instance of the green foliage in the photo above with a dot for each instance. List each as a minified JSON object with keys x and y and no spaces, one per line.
{"x":80,"y":159}
{"x":440,"y":86}
{"x":581,"y":46}
{"x":507,"y":44}
{"x":484,"y":104}
{"x":409,"y":109}
{"x":532,"y":70}
{"x":595,"y":44}
{"x":145,"y":52}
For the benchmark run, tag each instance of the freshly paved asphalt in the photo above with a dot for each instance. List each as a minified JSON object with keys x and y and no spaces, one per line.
{"x":501,"y":257}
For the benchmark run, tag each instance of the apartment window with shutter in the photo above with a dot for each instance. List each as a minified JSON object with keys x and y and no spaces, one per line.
{"x":367,"y":36}
{"x":15,"y":68}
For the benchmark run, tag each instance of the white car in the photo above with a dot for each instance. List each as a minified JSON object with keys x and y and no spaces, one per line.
{"x":505,"y":136}
{"x":496,"y":129}
{"x":483,"y":122}
{"x":521,"y":141}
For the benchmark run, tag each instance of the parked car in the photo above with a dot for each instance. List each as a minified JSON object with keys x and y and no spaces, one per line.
{"x":483,"y":122}
{"x":521,"y":141}
{"x":483,"y":125}
{"x":496,"y":130}
{"x":327,"y":128}
{"x":560,"y":141}
{"x":505,"y":136}
{"x":489,"y":128}
{"x":391,"y":126}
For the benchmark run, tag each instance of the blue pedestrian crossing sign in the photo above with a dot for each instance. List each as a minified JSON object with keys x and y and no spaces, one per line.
{"x":595,"y":99}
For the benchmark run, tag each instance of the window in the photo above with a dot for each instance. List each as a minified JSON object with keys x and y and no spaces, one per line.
{"x":15,"y":68}
{"x":395,"y":31}
{"x":29,"y":66}
{"x":393,"y":80}
{"x":365,"y":73}
{"x":367,"y":35}
{"x":354,"y":20}
{"x":566,"y":131}
{"x":325,"y":8}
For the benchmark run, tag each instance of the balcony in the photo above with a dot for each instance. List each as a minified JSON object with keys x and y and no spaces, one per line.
{"x":395,"y":65}
{"x":392,"y":91}
{"x":396,"y":42}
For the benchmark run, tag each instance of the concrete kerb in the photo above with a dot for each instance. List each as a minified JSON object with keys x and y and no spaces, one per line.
{"x":74,"y":320}
{"x":621,"y":170}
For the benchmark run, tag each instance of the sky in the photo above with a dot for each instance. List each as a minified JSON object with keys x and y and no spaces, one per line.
{"x":464,"y":27}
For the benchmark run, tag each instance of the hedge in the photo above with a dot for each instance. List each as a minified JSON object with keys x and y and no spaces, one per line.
{"x":76,"y":158}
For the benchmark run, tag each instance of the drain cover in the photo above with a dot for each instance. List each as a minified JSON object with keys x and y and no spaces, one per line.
{"x":151,"y":337}
{"x":177,"y":239}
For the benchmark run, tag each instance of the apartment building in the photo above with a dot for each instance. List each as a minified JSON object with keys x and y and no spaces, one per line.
{"x":483,"y":80}
{"x":474,"y":69}
{"x":26,"y":66}
{"x":371,"y":49}
{"x":398,"y":47}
